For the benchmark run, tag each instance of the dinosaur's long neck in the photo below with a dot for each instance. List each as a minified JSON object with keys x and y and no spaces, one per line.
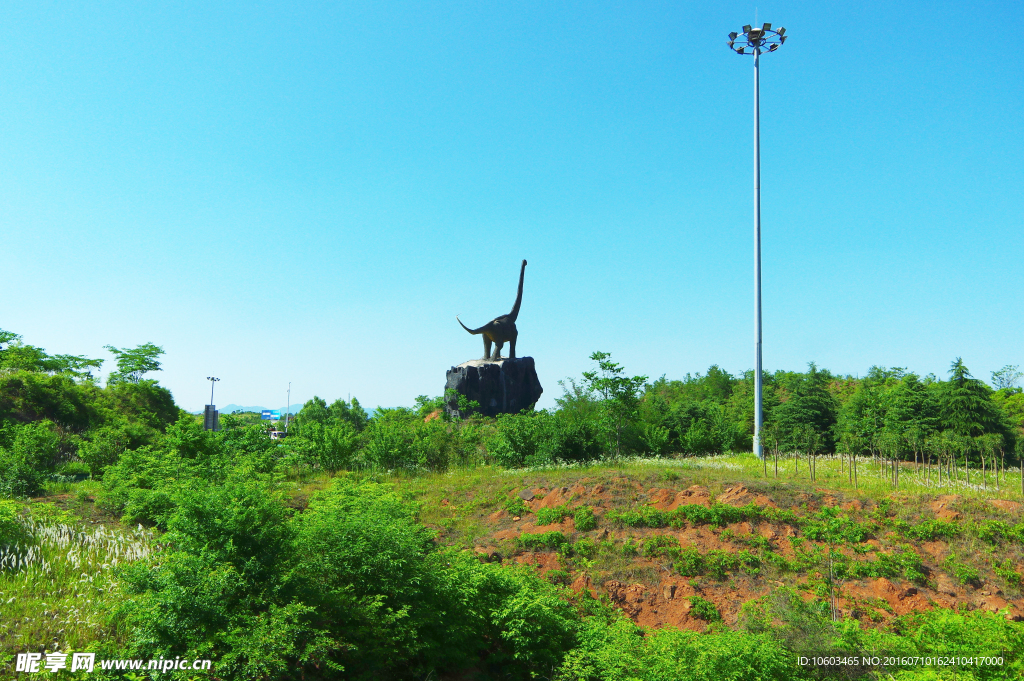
{"x":519,"y":295}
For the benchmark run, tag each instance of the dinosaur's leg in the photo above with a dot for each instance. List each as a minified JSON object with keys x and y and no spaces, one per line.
{"x":497,"y":350}
{"x":487,"y":348}
{"x":512,"y":348}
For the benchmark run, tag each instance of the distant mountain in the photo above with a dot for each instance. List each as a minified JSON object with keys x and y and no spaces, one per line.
{"x":232,"y":408}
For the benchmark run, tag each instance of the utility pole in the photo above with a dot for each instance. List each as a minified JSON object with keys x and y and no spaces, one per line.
{"x":759,"y":40}
{"x":288,"y":411}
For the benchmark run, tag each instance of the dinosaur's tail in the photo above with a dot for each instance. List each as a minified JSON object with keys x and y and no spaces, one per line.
{"x":476,"y":331}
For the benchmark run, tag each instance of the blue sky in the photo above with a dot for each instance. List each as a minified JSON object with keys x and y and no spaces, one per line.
{"x":310,"y":192}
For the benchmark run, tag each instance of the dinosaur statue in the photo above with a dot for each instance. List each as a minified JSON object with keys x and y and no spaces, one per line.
{"x":501,"y":330}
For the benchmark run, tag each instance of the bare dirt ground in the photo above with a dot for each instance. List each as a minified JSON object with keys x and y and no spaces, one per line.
{"x":651,"y":592}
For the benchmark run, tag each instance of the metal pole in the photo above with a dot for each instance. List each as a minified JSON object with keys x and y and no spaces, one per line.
{"x":212,"y":383}
{"x":758,"y":412}
{"x":288,"y":411}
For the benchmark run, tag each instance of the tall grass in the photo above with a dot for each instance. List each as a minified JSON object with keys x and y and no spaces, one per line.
{"x":56,"y":588}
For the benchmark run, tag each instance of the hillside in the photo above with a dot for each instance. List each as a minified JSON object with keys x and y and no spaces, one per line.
{"x":666,"y":532}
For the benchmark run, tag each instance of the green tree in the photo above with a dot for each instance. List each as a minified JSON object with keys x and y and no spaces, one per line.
{"x":1007,"y":377}
{"x":966,"y":404}
{"x":620,"y":395}
{"x":353,"y":413}
{"x":15,"y":354}
{"x":132,"y":363}
{"x":809,"y":406}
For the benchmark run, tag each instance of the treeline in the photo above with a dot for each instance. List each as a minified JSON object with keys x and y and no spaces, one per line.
{"x":890,"y":414}
{"x":55,"y":420}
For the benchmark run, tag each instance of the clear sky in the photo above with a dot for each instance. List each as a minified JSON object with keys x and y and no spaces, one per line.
{"x":310,"y":192}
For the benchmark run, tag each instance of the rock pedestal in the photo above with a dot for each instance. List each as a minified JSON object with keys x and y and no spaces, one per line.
{"x":505,"y":386}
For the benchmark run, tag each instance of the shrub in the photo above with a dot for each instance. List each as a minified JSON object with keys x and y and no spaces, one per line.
{"x":389,"y":440}
{"x":997,"y":532}
{"x":19,"y":478}
{"x":617,"y":649}
{"x":325,"y":446}
{"x":516,"y":443}
{"x":536,"y":542}
{"x":558,"y":577}
{"x":829,"y":525}
{"x":571,"y":440}
{"x":906,"y":564}
{"x":585,"y":547}
{"x":690,"y":563}
{"x":12,"y":531}
{"x":704,"y":609}
{"x":964,"y":573}
{"x":516,"y":506}
{"x":550,"y":516}
{"x":642,"y":516}
{"x":719,"y":563}
{"x":437,"y":445}
{"x":662,"y":546}
{"x":930,"y":530}
{"x":584,"y":519}
{"x":1008,"y":572}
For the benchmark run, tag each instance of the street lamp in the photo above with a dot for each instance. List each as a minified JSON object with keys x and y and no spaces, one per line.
{"x":755,"y":41}
{"x":212,"y":381}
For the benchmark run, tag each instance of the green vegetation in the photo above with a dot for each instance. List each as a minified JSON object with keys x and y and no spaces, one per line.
{"x":704,"y":609}
{"x":345,"y":550}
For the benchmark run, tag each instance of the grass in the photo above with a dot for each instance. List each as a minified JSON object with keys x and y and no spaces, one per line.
{"x":59,"y":595}
{"x":56,"y":588}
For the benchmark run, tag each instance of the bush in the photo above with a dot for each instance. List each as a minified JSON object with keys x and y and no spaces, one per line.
{"x":584,"y":519}
{"x":662,"y":546}
{"x":642,"y":516}
{"x":704,"y":609}
{"x":516,"y":443}
{"x":1008,"y":572}
{"x":516,"y":506}
{"x":558,"y":577}
{"x":550,"y":516}
{"x":540,"y":438}
{"x":12,"y":531}
{"x":930,"y":530}
{"x":570,"y":441}
{"x":690,"y":563}
{"x":326,"y":447}
{"x":964,"y":573}
{"x":548,"y":540}
{"x":389,"y":440}
{"x":585,"y":547}
{"x":617,"y":649}
{"x":19,"y":478}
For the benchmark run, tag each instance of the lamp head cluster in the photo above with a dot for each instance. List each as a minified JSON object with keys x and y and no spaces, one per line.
{"x":756,"y":40}
{"x":211,"y":378}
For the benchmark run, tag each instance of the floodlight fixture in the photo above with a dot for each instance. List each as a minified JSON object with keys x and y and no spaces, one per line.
{"x":764,"y":39}
{"x":759,"y":40}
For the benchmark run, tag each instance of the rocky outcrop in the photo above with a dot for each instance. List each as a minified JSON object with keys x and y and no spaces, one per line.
{"x":505,"y":386}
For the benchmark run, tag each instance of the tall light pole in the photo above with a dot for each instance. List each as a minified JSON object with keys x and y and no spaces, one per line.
{"x":211,"y":420}
{"x":755,"y":41}
{"x":288,"y":411}
{"x":212,"y":381}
